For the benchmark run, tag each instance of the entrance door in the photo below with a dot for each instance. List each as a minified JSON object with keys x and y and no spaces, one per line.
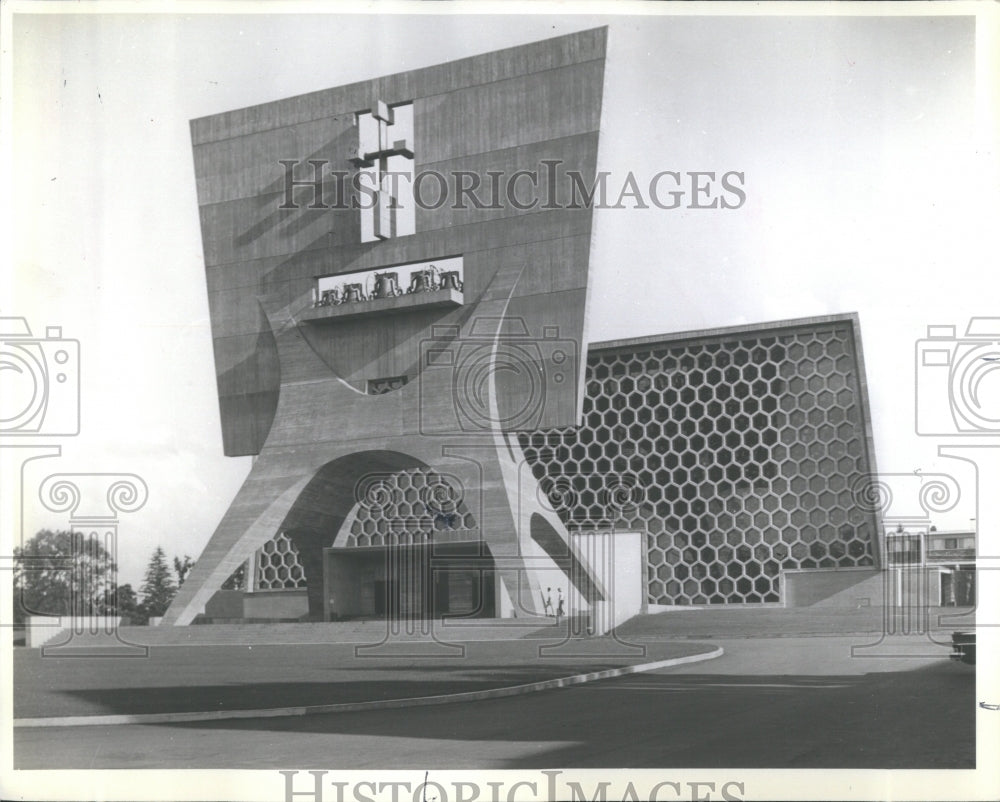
{"x":464,"y":592}
{"x":947,"y":589}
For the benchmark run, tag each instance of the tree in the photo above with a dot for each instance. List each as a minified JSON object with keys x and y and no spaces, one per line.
{"x":158,"y":587}
{"x":62,"y":573}
{"x":127,"y":604}
{"x":183,"y":568}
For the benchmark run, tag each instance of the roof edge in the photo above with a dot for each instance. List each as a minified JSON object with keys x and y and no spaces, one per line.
{"x":724,"y":331}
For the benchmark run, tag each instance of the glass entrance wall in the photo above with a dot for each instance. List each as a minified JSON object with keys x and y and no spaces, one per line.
{"x":454,"y":579}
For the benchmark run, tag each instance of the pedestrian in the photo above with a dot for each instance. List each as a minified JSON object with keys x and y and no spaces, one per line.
{"x":547,"y":602}
{"x":560,"y":610}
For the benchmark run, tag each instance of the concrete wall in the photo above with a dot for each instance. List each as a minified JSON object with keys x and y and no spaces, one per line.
{"x":618,"y":562}
{"x":294,"y":392}
{"x":43,"y":629}
{"x":276,"y":604}
{"x":909,"y":587}
{"x":505,"y":111}
{"x":225,"y":604}
{"x":237,"y":604}
{"x":847,"y":587}
{"x":741,"y":449}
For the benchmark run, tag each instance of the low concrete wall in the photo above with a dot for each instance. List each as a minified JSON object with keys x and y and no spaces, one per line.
{"x":276,"y":604}
{"x":828,"y":587}
{"x":237,"y":605}
{"x":896,"y":586}
{"x":225,"y":604}
{"x":42,"y":629}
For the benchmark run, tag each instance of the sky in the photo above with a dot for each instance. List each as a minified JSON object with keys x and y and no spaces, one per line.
{"x":868,"y":156}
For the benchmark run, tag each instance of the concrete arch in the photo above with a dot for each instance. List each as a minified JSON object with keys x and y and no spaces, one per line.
{"x":320,"y":509}
{"x":270,"y":501}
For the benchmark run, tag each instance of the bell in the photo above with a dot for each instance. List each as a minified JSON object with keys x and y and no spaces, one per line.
{"x":330,"y":297}
{"x":422,"y":281}
{"x":386,"y":285}
{"x":353,"y":293}
{"x":451,"y":281}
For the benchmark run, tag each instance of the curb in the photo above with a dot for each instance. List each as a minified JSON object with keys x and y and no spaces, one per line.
{"x":351,"y":707}
{"x":880,"y":634}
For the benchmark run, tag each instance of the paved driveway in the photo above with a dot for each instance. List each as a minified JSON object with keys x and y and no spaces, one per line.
{"x":783,"y":702}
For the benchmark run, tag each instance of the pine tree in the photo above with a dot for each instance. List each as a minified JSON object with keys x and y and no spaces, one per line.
{"x":158,"y":588}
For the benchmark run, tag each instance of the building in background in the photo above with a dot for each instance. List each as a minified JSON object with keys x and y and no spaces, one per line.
{"x":931,"y":568}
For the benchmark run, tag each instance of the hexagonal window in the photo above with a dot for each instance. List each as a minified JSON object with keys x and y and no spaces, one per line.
{"x":818,"y":551}
{"x":780,"y":517}
{"x":827,"y":499}
{"x":815,"y":383}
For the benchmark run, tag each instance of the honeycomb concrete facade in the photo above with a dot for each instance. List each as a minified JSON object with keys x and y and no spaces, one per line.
{"x":278,"y":566}
{"x":739,"y":453}
{"x":410,"y":505}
